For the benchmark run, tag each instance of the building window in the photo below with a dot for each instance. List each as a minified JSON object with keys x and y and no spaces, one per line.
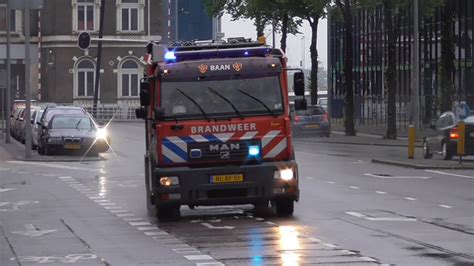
{"x":85,"y":15}
{"x":85,"y":73}
{"x":130,"y":15}
{"x":129,"y":79}
{"x":15,"y":19}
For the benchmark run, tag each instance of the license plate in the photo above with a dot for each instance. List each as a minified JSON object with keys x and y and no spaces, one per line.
{"x":227,"y":178}
{"x":72,"y":146}
{"x":312,"y":126}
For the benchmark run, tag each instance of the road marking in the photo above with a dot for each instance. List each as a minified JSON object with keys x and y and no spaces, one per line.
{"x":4,"y":169}
{"x":398,"y":177}
{"x":310,"y":177}
{"x":408,"y":198}
{"x":368,"y":259}
{"x":271,"y":223}
{"x":139,"y":223}
{"x":96,"y":197}
{"x":348,"y":252}
{"x":210,"y":264}
{"x":112,"y":207}
{"x":31,"y":230}
{"x":5,"y":189}
{"x":198,"y":257}
{"x":65,"y":177}
{"x":101,"y":200}
{"x":158,"y":233}
{"x":118,"y":211}
{"x":381,"y":192}
{"x":71,"y":258}
{"x":354,"y":187}
{"x":445,"y":206}
{"x":444,"y":173}
{"x":210,"y":226}
{"x":381,"y":219}
{"x":330,"y":245}
{"x":132,"y":219}
{"x":259,"y":219}
{"x":145,"y":228}
{"x":106,"y":203}
{"x":314,"y":239}
{"x":125,"y":214}
{"x":356,"y":214}
{"x":185,"y":250}
{"x":331,"y":182}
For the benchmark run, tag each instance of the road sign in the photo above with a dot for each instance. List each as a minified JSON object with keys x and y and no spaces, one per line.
{"x":84,"y":40}
{"x":23,"y":4}
{"x":462,"y":111}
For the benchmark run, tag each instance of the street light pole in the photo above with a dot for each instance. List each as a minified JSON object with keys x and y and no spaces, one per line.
{"x":8,"y":88}
{"x":416,"y":69}
{"x":27,"y":118}
{"x":99,"y":57}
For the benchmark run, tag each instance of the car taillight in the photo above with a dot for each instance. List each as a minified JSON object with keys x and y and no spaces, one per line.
{"x":453,"y":133}
{"x":297,"y":118}
{"x":325,"y":117}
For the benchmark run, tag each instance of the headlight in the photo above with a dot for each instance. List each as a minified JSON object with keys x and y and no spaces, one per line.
{"x":101,"y":133}
{"x":169,"y":181}
{"x":284,"y":174}
{"x":54,"y":139}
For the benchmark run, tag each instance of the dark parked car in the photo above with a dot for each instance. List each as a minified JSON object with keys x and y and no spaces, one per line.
{"x":73,"y":133}
{"x":444,"y":137}
{"x":314,"y":119}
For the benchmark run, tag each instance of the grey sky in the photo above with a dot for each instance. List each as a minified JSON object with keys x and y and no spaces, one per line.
{"x":246,"y":29}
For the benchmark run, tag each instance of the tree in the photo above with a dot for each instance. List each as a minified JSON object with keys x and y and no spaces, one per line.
{"x":345,"y":7}
{"x":447,"y":55}
{"x":312,"y":11}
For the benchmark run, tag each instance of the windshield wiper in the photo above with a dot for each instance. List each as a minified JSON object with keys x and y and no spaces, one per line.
{"x":228,"y":101}
{"x":78,"y":122}
{"x":195,"y":103}
{"x":259,"y":101}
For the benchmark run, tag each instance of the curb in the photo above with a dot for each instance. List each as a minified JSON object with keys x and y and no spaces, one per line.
{"x":419,"y":166}
{"x":356,"y":143}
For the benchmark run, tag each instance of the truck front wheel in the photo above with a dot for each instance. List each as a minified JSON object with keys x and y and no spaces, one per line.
{"x":168,"y":213}
{"x":285,"y":207}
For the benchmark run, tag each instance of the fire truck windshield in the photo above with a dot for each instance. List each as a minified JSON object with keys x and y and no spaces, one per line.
{"x":249,"y":97}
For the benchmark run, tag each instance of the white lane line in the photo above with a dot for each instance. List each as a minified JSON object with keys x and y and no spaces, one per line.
{"x":444,"y":173}
{"x":158,"y":233}
{"x":408,"y":198}
{"x":331,"y":182}
{"x":368,"y":259}
{"x":118,"y":211}
{"x":107,"y":204}
{"x":210,"y":264}
{"x":58,"y":166}
{"x":198,"y":257}
{"x":381,"y":192}
{"x":398,"y":177}
{"x":96,"y":197}
{"x":132,"y":219}
{"x":330,"y":245}
{"x":356,"y":214}
{"x":125,"y":214}
{"x":309,"y":177}
{"x":259,"y":219}
{"x":445,"y":206}
{"x":112,"y":207}
{"x":348,"y":252}
{"x":139,"y":223}
{"x":100,"y":200}
{"x":65,"y":177}
{"x":145,"y":228}
{"x":271,"y":223}
{"x":312,"y":239}
{"x":390,"y":219}
{"x":354,"y":187}
{"x":185,"y":250}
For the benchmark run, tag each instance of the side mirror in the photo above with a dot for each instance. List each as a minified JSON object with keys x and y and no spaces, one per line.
{"x":141,"y":113}
{"x":145,"y":93}
{"x":298,"y":83}
{"x":301,"y":104}
{"x":159,"y":113}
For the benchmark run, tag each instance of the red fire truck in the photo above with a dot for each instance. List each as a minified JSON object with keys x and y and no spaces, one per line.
{"x":218,"y":126}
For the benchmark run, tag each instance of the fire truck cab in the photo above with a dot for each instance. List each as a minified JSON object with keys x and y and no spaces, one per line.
{"x":218,"y":128}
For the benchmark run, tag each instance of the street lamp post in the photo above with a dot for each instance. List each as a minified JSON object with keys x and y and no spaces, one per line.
{"x":416,"y":69}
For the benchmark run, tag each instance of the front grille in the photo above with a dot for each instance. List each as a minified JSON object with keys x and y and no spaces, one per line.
{"x":227,"y":193}
{"x":229,"y":151}
{"x":72,"y":140}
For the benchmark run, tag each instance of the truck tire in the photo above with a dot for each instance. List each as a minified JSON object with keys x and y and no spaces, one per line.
{"x":168,"y":213}
{"x":285,"y":207}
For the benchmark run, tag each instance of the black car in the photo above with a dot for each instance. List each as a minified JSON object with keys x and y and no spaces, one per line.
{"x":314,"y":119}
{"x":444,"y":136}
{"x":73,"y":133}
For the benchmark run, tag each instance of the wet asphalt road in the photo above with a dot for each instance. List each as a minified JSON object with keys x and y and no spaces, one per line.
{"x":351,"y":212}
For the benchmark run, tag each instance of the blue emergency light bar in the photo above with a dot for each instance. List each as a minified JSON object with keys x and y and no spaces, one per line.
{"x":173,"y":56}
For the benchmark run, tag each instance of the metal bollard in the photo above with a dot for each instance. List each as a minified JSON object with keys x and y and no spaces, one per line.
{"x":411,"y":142}
{"x":461,"y":149}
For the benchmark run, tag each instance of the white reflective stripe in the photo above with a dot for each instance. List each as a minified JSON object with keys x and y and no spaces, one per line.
{"x":199,"y":138}
{"x":269,"y":137}
{"x":249,"y":135}
{"x":277,"y":149}
{"x":224,"y":137}
{"x":171,"y":155}
{"x":179,"y":142}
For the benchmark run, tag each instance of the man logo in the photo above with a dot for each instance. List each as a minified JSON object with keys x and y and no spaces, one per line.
{"x":224,"y":147}
{"x":203,"y":68}
{"x":237,"y":66}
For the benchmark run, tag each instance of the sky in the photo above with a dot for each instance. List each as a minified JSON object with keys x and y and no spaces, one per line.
{"x":295,"y":43}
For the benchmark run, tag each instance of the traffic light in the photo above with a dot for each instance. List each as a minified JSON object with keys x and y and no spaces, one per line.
{"x":84,"y":40}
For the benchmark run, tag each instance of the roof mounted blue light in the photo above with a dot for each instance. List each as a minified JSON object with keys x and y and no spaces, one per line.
{"x":170,"y":56}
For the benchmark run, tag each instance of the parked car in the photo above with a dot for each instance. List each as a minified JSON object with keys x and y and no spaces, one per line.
{"x":17,"y":119}
{"x":50,"y":111}
{"x":22,"y":124}
{"x":35,"y":128}
{"x":13,"y":118}
{"x":314,"y":119}
{"x":444,"y":136}
{"x":73,"y":133}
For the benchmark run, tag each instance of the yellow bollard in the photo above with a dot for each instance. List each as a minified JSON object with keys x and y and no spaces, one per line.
{"x":462,"y":138}
{"x":411,"y":142}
